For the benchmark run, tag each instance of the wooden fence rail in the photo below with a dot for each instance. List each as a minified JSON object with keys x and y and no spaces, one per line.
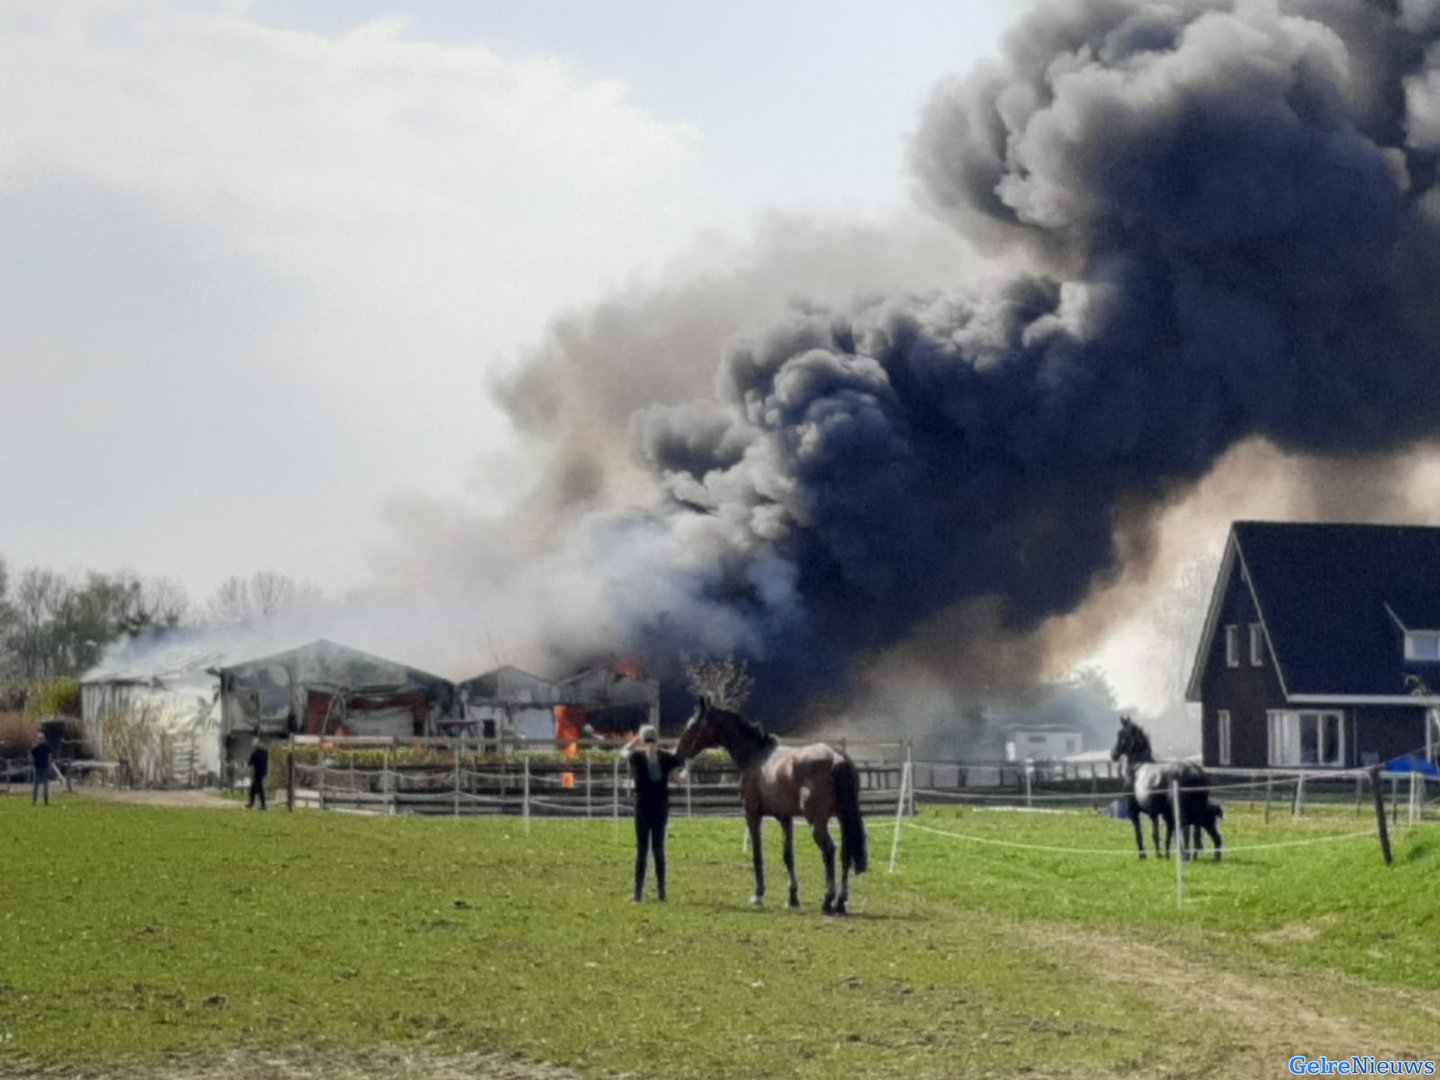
{"x":520,"y":788}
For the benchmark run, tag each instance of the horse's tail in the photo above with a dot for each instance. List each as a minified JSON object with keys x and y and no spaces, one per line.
{"x":854,"y":852}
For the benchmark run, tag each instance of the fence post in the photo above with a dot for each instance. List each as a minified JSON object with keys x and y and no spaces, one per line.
{"x":1027,"y":771}
{"x":1299,"y":808}
{"x":387,"y":783}
{"x":525,"y":807}
{"x":1181,"y":854}
{"x":1380,"y":815}
{"x":1269,"y":784}
{"x":588,"y":792}
{"x":321,"y":780}
{"x":615,"y":791}
{"x":459,"y":745}
{"x":905,"y":781}
{"x":290,"y":774}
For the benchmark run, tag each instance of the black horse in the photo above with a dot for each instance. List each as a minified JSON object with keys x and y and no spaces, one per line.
{"x":816,"y":782}
{"x":1149,"y":785}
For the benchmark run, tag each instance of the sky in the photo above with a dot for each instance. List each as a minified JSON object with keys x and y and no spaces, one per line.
{"x":260,"y":261}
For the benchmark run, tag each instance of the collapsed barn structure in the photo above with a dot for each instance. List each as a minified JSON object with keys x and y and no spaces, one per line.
{"x":187,"y":713}
{"x":327,"y":689}
{"x":509,"y":703}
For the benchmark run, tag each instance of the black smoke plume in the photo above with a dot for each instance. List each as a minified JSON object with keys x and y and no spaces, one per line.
{"x":1231,"y":216}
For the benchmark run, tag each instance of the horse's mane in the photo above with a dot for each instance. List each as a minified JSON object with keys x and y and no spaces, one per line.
{"x":747,"y":733}
{"x":1136,"y":742}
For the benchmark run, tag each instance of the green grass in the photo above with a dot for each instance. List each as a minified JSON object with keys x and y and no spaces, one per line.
{"x":132,"y":933}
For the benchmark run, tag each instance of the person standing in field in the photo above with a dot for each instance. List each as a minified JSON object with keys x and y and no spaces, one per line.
{"x":42,"y":760}
{"x":259,"y":767}
{"x":650,"y":768}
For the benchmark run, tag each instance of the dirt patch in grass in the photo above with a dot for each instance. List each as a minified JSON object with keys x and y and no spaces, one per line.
{"x":209,"y":800}
{"x":307,"y":1063}
{"x":1295,"y":932}
{"x":1270,"y":1016}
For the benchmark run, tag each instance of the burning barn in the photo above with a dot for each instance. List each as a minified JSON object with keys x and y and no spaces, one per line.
{"x":509,"y":701}
{"x":611,"y":699}
{"x":608,"y":699}
{"x":327,"y":689}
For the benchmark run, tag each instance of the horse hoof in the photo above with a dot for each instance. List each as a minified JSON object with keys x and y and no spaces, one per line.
{"x":1142,"y":856}
{"x":794,"y":905}
{"x":757,"y":901}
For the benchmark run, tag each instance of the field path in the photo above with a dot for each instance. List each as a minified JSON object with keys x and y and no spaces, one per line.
{"x":1271,"y":1016}
{"x":205,"y":799}
{"x":305,"y":1063}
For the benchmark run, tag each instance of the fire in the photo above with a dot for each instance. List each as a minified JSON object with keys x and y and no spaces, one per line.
{"x":569,"y":730}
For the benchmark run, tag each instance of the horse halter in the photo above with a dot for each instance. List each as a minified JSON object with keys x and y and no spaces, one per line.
{"x":698,"y":734}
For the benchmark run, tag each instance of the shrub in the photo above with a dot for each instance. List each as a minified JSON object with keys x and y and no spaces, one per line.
{"x":55,"y":697}
{"x":17,"y":735}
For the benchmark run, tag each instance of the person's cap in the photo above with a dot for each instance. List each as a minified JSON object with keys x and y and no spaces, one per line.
{"x":649,"y":734}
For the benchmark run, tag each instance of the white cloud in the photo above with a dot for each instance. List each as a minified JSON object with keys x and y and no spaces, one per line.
{"x":309,"y":249}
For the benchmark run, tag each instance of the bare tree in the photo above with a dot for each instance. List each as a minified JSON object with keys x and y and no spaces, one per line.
{"x":41,"y":599}
{"x":57,"y":626}
{"x":723,"y":682}
{"x":166,"y":601}
{"x":263,"y":595}
{"x":1180,"y":620}
{"x":230,"y":602}
{"x":274,"y":594}
{"x":140,"y":604}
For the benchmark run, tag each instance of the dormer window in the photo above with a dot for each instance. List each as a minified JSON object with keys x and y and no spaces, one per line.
{"x":1422,"y":644}
{"x":1232,"y":645}
{"x":1257,"y":645}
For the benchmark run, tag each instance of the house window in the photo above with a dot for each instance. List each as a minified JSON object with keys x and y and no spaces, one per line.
{"x":1422,"y":645}
{"x":1307,"y":738}
{"x":1223,"y":726}
{"x":1232,"y":646}
{"x":1257,"y":645}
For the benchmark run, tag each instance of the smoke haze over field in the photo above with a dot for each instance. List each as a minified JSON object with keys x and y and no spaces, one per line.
{"x":1229,"y":216}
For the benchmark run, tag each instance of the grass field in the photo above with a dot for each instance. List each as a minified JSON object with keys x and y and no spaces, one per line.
{"x":151,"y":941}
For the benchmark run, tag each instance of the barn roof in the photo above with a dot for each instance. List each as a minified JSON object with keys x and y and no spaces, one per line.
{"x":1335,"y":601}
{"x":510,"y":684}
{"x":169,"y":655}
{"x":326,"y":657}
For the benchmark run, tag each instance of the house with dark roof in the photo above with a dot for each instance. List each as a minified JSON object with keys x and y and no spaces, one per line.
{"x":1321,"y":647}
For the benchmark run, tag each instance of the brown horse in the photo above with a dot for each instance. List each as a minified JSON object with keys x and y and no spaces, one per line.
{"x":816,"y":781}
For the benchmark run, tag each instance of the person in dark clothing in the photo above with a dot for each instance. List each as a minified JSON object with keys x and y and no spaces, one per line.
{"x":650,"y":768}
{"x":259,"y":767}
{"x":41,"y":758}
